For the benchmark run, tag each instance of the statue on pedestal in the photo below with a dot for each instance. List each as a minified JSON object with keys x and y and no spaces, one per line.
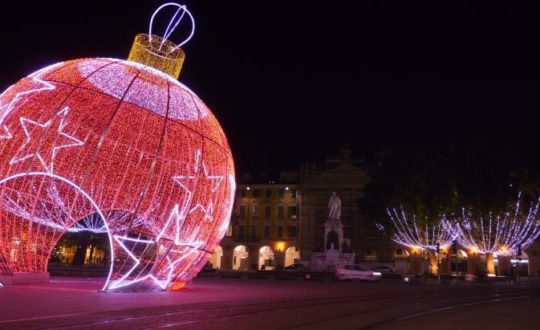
{"x":333,"y":254}
{"x":334,"y":206}
{"x":333,"y":228}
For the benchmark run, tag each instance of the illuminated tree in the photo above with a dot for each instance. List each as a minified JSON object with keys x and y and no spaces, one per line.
{"x":407,"y":231}
{"x":500,"y":234}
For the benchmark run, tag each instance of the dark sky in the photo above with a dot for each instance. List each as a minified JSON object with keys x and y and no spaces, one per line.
{"x":292,"y":80}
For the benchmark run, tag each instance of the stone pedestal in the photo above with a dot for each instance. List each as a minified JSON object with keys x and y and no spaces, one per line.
{"x":333,"y":256}
{"x":333,"y":234}
{"x":330,"y":260}
{"x":25,"y":278}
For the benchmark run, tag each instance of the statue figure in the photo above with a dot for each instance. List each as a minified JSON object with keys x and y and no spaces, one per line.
{"x":334,"y":205}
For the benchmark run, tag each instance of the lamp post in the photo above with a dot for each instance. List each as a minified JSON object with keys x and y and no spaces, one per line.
{"x":518,"y":255}
{"x":244,"y":239}
{"x":438,"y":248}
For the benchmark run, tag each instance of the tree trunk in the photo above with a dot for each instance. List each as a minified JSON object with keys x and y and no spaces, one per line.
{"x":80,"y":254}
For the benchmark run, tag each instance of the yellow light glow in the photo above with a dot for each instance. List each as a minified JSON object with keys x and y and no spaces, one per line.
{"x":280,"y":246}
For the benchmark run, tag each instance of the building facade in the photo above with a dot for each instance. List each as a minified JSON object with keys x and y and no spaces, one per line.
{"x":275,"y":225}
{"x":263,"y":234}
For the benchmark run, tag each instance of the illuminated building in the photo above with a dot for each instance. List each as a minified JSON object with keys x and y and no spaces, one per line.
{"x":347,"y":175}
{"x":289,"y":217}
{"x":263,"y":234}
{"x":411,"y":252}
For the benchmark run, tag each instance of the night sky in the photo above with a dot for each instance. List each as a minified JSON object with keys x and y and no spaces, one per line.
{"x":292,"y":80}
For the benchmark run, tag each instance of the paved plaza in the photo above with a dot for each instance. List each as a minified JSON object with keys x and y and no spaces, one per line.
{"x":210,"y":303}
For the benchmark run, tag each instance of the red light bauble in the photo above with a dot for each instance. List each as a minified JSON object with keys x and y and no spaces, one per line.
{"x":117,"y":144}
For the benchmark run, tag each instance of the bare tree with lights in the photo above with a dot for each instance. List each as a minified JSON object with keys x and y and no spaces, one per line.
{"x":409,"y":232}
{"x":425,"y":236}
{"x":498,"y":234}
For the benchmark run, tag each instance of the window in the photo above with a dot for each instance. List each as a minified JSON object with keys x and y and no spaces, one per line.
{"x":279,"y":232}
{"x":281,"y":193}
{"x":267,"y":210}
{"x":280,"y":212}
{"x":242,"y":211}
{"x":292,"y":212}
{"x":256,"y":193}
{"x":254,"y":232}
{"x":293,"y":193}
{"x":255,"y":211}
{"x":399,"y":252}
{"x":266,"y":232}
{"x":370,"y":255}
{"x":229,"y":232}
{"x":242,"y":193}
{"x":241,"y":231}
{"x":268,"y":193}
{"x":292,"y":231}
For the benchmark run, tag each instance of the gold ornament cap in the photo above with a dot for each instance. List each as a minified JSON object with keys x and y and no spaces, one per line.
{"x":157,"y":53}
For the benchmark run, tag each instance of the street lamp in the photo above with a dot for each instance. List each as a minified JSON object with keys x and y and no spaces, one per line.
{"x":438,"y":250}
{"x":518,"y":255}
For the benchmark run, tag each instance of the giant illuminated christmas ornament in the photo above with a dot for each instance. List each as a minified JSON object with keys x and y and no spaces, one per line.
{"x":120,"y":147}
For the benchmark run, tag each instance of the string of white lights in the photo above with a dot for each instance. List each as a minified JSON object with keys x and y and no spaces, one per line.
{"x":499,"y":234}
{"x":408,"y":232}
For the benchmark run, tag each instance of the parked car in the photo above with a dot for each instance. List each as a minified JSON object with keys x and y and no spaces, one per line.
{"x":357,"y":272}
{"x":383,"y":269}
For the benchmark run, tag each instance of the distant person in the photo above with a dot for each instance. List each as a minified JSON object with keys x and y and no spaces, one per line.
{"x":512,"y":275}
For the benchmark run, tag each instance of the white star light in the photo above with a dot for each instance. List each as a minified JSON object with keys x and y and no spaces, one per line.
{"x":43,"y":86}
{"x":172,"y":263}
{"x":177,"y":218}
{"x":181,"y":178}
{"x":122,"y":282}
{"x":218,"y":178}
{"x":208,"y":210}
{"x":193,"y":246}
{"x":46,"y":159}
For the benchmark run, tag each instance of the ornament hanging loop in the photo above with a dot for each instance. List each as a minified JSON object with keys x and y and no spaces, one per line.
{"x":160,"y":52}
{"x":179,"y":15}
